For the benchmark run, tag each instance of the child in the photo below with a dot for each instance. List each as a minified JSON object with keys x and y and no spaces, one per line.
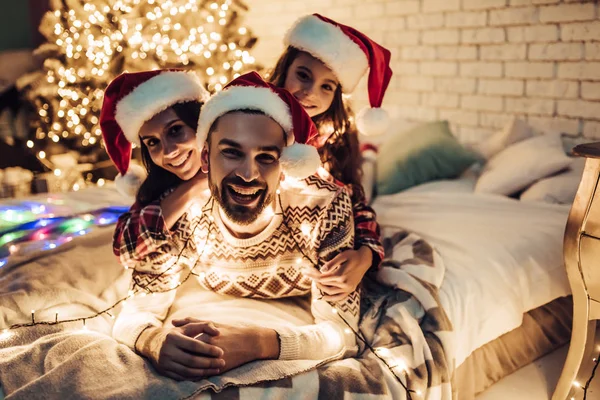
{"x":323,"y":60}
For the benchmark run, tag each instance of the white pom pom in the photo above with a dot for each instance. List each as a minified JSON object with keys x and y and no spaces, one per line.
{"x":372,"y":121}
{"x":129,"y":184}
{"x":299,"y":161}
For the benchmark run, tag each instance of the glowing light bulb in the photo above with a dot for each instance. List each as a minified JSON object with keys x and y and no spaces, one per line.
{"x":576,"y":384}
{"x":382,"y":351}
{"x":334,"y":311}
{"x":305,"y":228}
{"x":101,"y":182}
{"x":401,"y":365}
{"x":298,"y":260}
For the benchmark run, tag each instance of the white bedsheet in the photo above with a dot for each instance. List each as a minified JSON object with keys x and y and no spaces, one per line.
{"x":503,"y":257}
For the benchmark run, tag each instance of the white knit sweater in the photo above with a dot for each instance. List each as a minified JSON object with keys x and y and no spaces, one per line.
{"x":312,"y":221}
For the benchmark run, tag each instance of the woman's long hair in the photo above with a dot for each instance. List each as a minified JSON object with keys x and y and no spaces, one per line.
{"x":160,"y":180}
{"x":341,"y":151}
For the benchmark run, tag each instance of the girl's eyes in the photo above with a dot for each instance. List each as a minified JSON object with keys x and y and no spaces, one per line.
{"x":152,"y":142}
{"x":303,"y":75}
{"x":328,"y":87}
{"x":175,"y":130}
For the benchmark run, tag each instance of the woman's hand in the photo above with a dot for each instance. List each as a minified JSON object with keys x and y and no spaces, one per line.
{"x":176,"y":353}
{"x":341,"y":276}
{"x":240,"y":344}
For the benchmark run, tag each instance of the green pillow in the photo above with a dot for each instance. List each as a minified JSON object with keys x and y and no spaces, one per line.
{"x":425,"y":153}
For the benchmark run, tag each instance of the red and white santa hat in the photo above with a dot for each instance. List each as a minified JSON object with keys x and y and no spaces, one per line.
{"x":130,"y":100}
{"x":250,"y":92}
{"x":349,"y":53}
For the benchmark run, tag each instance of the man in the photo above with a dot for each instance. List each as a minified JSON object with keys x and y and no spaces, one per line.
{"x":252,"y":238}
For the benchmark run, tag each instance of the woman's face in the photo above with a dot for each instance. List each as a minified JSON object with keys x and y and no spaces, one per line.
{"x":171,"y":144}
{"x":312,"y":83}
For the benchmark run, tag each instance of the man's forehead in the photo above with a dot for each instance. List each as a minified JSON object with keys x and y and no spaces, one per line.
{"x":258,"y":131}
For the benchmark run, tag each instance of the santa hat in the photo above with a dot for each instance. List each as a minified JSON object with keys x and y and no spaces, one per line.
{"x":130,"y":100}
{"x":349,"y":53}
{"x":251,"y":92}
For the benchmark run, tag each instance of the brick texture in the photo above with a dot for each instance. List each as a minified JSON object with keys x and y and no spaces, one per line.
{"x":475,"y":63}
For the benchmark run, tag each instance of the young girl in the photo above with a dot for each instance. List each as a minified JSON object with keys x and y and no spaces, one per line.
{"x":324,"y":60}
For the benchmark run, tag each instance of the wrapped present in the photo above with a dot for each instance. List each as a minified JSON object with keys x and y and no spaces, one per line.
{"x":15,"y":182}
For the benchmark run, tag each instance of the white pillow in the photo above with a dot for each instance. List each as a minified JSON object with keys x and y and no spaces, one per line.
{"x":557,"y":189}
{"x":514,"y":131}
{"x":523,"y":163}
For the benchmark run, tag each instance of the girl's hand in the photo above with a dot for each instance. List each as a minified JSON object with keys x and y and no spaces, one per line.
{"x":342,"y":275}
{"x":241,"y":344}
{"x":176,"y":353}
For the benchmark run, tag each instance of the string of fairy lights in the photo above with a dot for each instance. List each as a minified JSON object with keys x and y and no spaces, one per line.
{"x":99,"y":39}
{"x":394,"y":364}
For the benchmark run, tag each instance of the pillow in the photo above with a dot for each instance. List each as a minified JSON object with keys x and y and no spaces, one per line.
{"x":424,"y":153}
{"x":514,"y":131}
{"x":557,"y":189}
{"x":521,"y":164}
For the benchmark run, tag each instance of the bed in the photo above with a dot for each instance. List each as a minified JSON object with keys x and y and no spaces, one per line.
{"x":503,"y":290}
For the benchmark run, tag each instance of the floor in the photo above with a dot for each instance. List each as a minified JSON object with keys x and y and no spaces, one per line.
{"x":536,"y":381}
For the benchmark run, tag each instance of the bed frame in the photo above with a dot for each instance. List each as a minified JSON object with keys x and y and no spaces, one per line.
{"x":582,"y":262}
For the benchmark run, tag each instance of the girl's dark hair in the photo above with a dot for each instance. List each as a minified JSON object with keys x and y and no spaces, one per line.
{"x":341,"y":150}
{"x":160,"y":180}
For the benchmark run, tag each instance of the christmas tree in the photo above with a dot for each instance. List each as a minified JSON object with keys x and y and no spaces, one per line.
{"x":92,"y":41}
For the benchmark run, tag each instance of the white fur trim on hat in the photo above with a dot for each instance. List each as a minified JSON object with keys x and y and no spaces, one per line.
{"x":244,"y":98}
{"x":372,"y":121}
{"x":129,"y":184}
{"x":299,"y":160}
{"x":329,"y":44}
{"x":155,"y":95}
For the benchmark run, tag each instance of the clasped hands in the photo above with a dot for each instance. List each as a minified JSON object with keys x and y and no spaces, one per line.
{"x":194,"y":349}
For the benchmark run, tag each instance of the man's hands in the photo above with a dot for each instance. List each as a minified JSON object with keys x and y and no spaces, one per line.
{"x":240,"y":344}
{"x":176,"y":353}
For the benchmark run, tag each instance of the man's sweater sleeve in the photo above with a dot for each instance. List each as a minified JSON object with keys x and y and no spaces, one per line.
{"x":332,"y":335}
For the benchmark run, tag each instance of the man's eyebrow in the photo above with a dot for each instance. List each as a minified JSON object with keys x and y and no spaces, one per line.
{"x":274,"y":149}
{"x":228,"y":142}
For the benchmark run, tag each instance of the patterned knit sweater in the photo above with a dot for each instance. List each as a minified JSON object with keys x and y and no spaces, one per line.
{"x":313,"y":222}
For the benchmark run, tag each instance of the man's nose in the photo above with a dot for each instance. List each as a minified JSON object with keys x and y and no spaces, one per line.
{"x":248,"y":171}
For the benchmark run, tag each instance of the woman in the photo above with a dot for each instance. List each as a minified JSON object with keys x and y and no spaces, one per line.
{"x":157,"y":111}
{"x":322,"y":61}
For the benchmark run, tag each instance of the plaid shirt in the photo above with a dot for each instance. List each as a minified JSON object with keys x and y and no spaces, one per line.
{"x":142,"y":236}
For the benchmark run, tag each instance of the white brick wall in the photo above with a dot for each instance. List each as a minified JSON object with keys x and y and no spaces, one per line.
{"x":473,"y":62}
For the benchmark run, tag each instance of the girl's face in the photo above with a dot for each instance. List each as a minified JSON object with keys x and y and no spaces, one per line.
{"x":312,"y":83}
{"x":171,"y":144}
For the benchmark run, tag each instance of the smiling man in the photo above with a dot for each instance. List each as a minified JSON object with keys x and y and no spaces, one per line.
{"x":255,"y":236}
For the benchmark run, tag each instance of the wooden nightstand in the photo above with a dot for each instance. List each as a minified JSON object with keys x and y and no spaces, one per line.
{"x":582,"y":261}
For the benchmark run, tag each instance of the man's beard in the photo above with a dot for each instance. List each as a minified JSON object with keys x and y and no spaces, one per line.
{"x":237,"y":213}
